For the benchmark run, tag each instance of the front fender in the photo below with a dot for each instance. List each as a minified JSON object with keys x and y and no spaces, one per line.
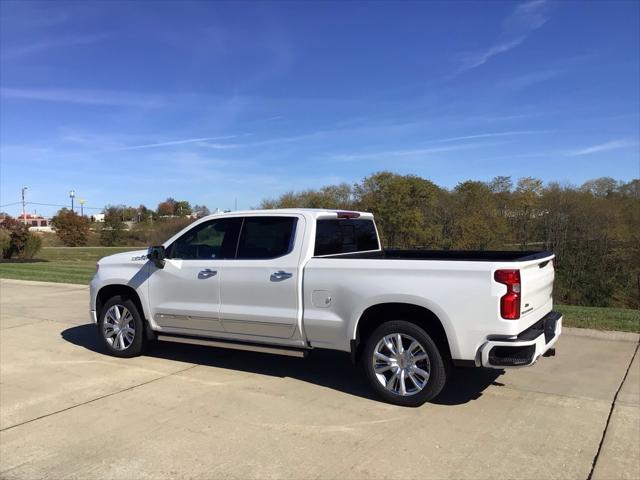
{"x":133,"y":276}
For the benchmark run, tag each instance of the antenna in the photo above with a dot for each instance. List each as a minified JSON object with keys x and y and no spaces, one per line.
{"x":24,"y":215}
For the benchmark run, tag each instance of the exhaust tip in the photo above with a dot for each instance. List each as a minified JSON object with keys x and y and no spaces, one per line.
{"x":550,"y":353}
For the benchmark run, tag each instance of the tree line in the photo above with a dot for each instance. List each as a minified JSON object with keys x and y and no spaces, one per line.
{"x":122,"y":225}
{"x":594,"y":229}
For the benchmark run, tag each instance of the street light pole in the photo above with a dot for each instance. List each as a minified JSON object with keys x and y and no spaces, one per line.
{"x":24,"y":214}
{"x":82,"y":202}
{"x":72,"y":195}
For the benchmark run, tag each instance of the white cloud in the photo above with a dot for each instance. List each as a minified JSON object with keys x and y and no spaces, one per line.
{"x":524,"y":19}
{"x":202,"y":141}
{"x":603,"y":147}
{"x":11,"y":52}
{"x":490,"y":135}
{"x":476,"y":59}
{"x":85,"y":97}
{"x":405,"y":153}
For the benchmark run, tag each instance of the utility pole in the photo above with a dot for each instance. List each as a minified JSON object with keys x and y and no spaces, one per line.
{"x":72,"y":194}
{"x":24,"y":213}
{"x":82,"y":201}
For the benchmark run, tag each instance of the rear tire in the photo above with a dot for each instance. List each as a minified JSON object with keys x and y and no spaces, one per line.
{"x":403,"y":364}
{"x":121,"y":327}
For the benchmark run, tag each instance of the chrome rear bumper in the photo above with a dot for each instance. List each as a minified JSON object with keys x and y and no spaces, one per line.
{"x":524,"y":349}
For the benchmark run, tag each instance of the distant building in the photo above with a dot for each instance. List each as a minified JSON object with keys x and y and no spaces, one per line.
{"x":97,"y":217}
{"x":36,"y":222}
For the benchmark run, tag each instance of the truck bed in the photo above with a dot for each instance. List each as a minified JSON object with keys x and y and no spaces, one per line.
{"x":466,"y":255}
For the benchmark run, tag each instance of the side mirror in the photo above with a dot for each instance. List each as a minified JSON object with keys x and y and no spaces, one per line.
{"x":156,"y":255}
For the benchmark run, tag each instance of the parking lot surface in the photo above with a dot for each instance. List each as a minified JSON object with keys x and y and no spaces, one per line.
{"x":70,"y":411}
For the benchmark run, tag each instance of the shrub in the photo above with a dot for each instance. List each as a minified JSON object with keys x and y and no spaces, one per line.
{"x":19,"y":242}
{"x":5,"y":243}
{"x":32,"y":245}
{"x":71,"y":228}
{"x":158,"y":232}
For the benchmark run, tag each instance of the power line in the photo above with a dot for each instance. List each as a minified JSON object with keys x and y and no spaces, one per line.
{"x":46,"y":205}
{"x":57,"y":205}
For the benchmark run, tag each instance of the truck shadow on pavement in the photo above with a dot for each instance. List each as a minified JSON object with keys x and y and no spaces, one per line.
{"x":326,"y":368}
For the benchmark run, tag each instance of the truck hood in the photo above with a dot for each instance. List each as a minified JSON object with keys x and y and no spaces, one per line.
{"x":135,"y":256}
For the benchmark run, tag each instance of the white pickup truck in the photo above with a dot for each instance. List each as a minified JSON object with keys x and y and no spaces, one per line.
{"x":290,"y":281}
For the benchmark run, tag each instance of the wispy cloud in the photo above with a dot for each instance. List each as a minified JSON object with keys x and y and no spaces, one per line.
{"x":16,"y":51}
{"x":490,"y":135}
{"x":524,"y":19}
{"x":475,"y":59}
{"x":529,"y":79}
{"x":405,"y":153}
{"x":603,"y":147}
{"x":85,"y":97}
{"x":204,"y":141}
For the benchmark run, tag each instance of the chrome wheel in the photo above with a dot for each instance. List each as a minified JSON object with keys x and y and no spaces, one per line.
{"x":401,"y":364}
{"x":119,"y":327}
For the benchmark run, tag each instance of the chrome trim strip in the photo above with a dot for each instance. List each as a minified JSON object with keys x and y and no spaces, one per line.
{"x":233,"y":345}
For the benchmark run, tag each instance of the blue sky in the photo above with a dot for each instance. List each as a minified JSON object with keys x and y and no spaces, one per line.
{"x":132,"y":102}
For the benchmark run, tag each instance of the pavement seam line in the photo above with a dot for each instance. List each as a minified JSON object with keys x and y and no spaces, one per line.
{"x":97,"y":398}
{"x":26,"y":324}
{"x":613,"y":404}
{"x":552,"y":394}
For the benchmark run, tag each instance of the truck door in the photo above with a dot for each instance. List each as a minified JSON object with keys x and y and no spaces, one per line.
{"x":185,"y":294}
{"x":259,"y":288}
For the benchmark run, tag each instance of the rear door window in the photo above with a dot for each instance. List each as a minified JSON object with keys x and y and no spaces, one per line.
{"x":345,"y":236}
{"x":264,"y":238}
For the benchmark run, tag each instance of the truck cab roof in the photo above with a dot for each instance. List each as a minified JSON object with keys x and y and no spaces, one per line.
{"x":313,"y":213}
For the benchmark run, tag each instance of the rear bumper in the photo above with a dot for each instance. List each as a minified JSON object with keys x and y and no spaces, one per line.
{"x":525,"y":348}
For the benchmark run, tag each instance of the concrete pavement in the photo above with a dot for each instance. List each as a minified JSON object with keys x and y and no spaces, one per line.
{"x":69,"y":411}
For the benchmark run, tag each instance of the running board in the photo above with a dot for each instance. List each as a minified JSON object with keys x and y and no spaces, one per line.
{"x":251,"y":347}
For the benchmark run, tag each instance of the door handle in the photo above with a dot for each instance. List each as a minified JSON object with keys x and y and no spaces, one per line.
{"x":207,"y":273}
{"x":280,"y":275}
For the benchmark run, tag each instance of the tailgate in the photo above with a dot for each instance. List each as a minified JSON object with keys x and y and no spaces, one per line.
{"x":537,"y":287}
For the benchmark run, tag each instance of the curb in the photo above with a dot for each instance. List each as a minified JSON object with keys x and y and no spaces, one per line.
{"x":42,"y":284}
{"x":601,"y":334}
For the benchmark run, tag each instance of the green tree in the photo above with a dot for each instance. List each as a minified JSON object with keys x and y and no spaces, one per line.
{"x":526,"y":211}
{"x":71,"y":228}
{"x":182,"y":208}
{"x":405,"y":207}
{"x":144,"y":214}
{"x":331,"y":196}
{"x":478,"y":224}
{"x":601,"y":187}
{"x":113,"y":229}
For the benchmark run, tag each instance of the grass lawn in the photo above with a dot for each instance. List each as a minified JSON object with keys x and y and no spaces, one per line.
{"x":600,"y":318}
{"x":60,"y":264}
{"x":78,"y":264}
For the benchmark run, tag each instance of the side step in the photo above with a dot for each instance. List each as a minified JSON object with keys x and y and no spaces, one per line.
{"x":251,"y":347}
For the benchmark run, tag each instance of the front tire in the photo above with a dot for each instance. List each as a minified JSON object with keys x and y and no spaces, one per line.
{"x":403,"y":364}
{"x":121,"y":327}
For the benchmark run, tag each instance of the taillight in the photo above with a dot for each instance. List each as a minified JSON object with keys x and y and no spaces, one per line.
{"x":510,"y":301}
{"x":348,"y":215}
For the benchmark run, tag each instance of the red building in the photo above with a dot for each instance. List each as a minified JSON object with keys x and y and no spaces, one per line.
{"x":34,"y":220}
